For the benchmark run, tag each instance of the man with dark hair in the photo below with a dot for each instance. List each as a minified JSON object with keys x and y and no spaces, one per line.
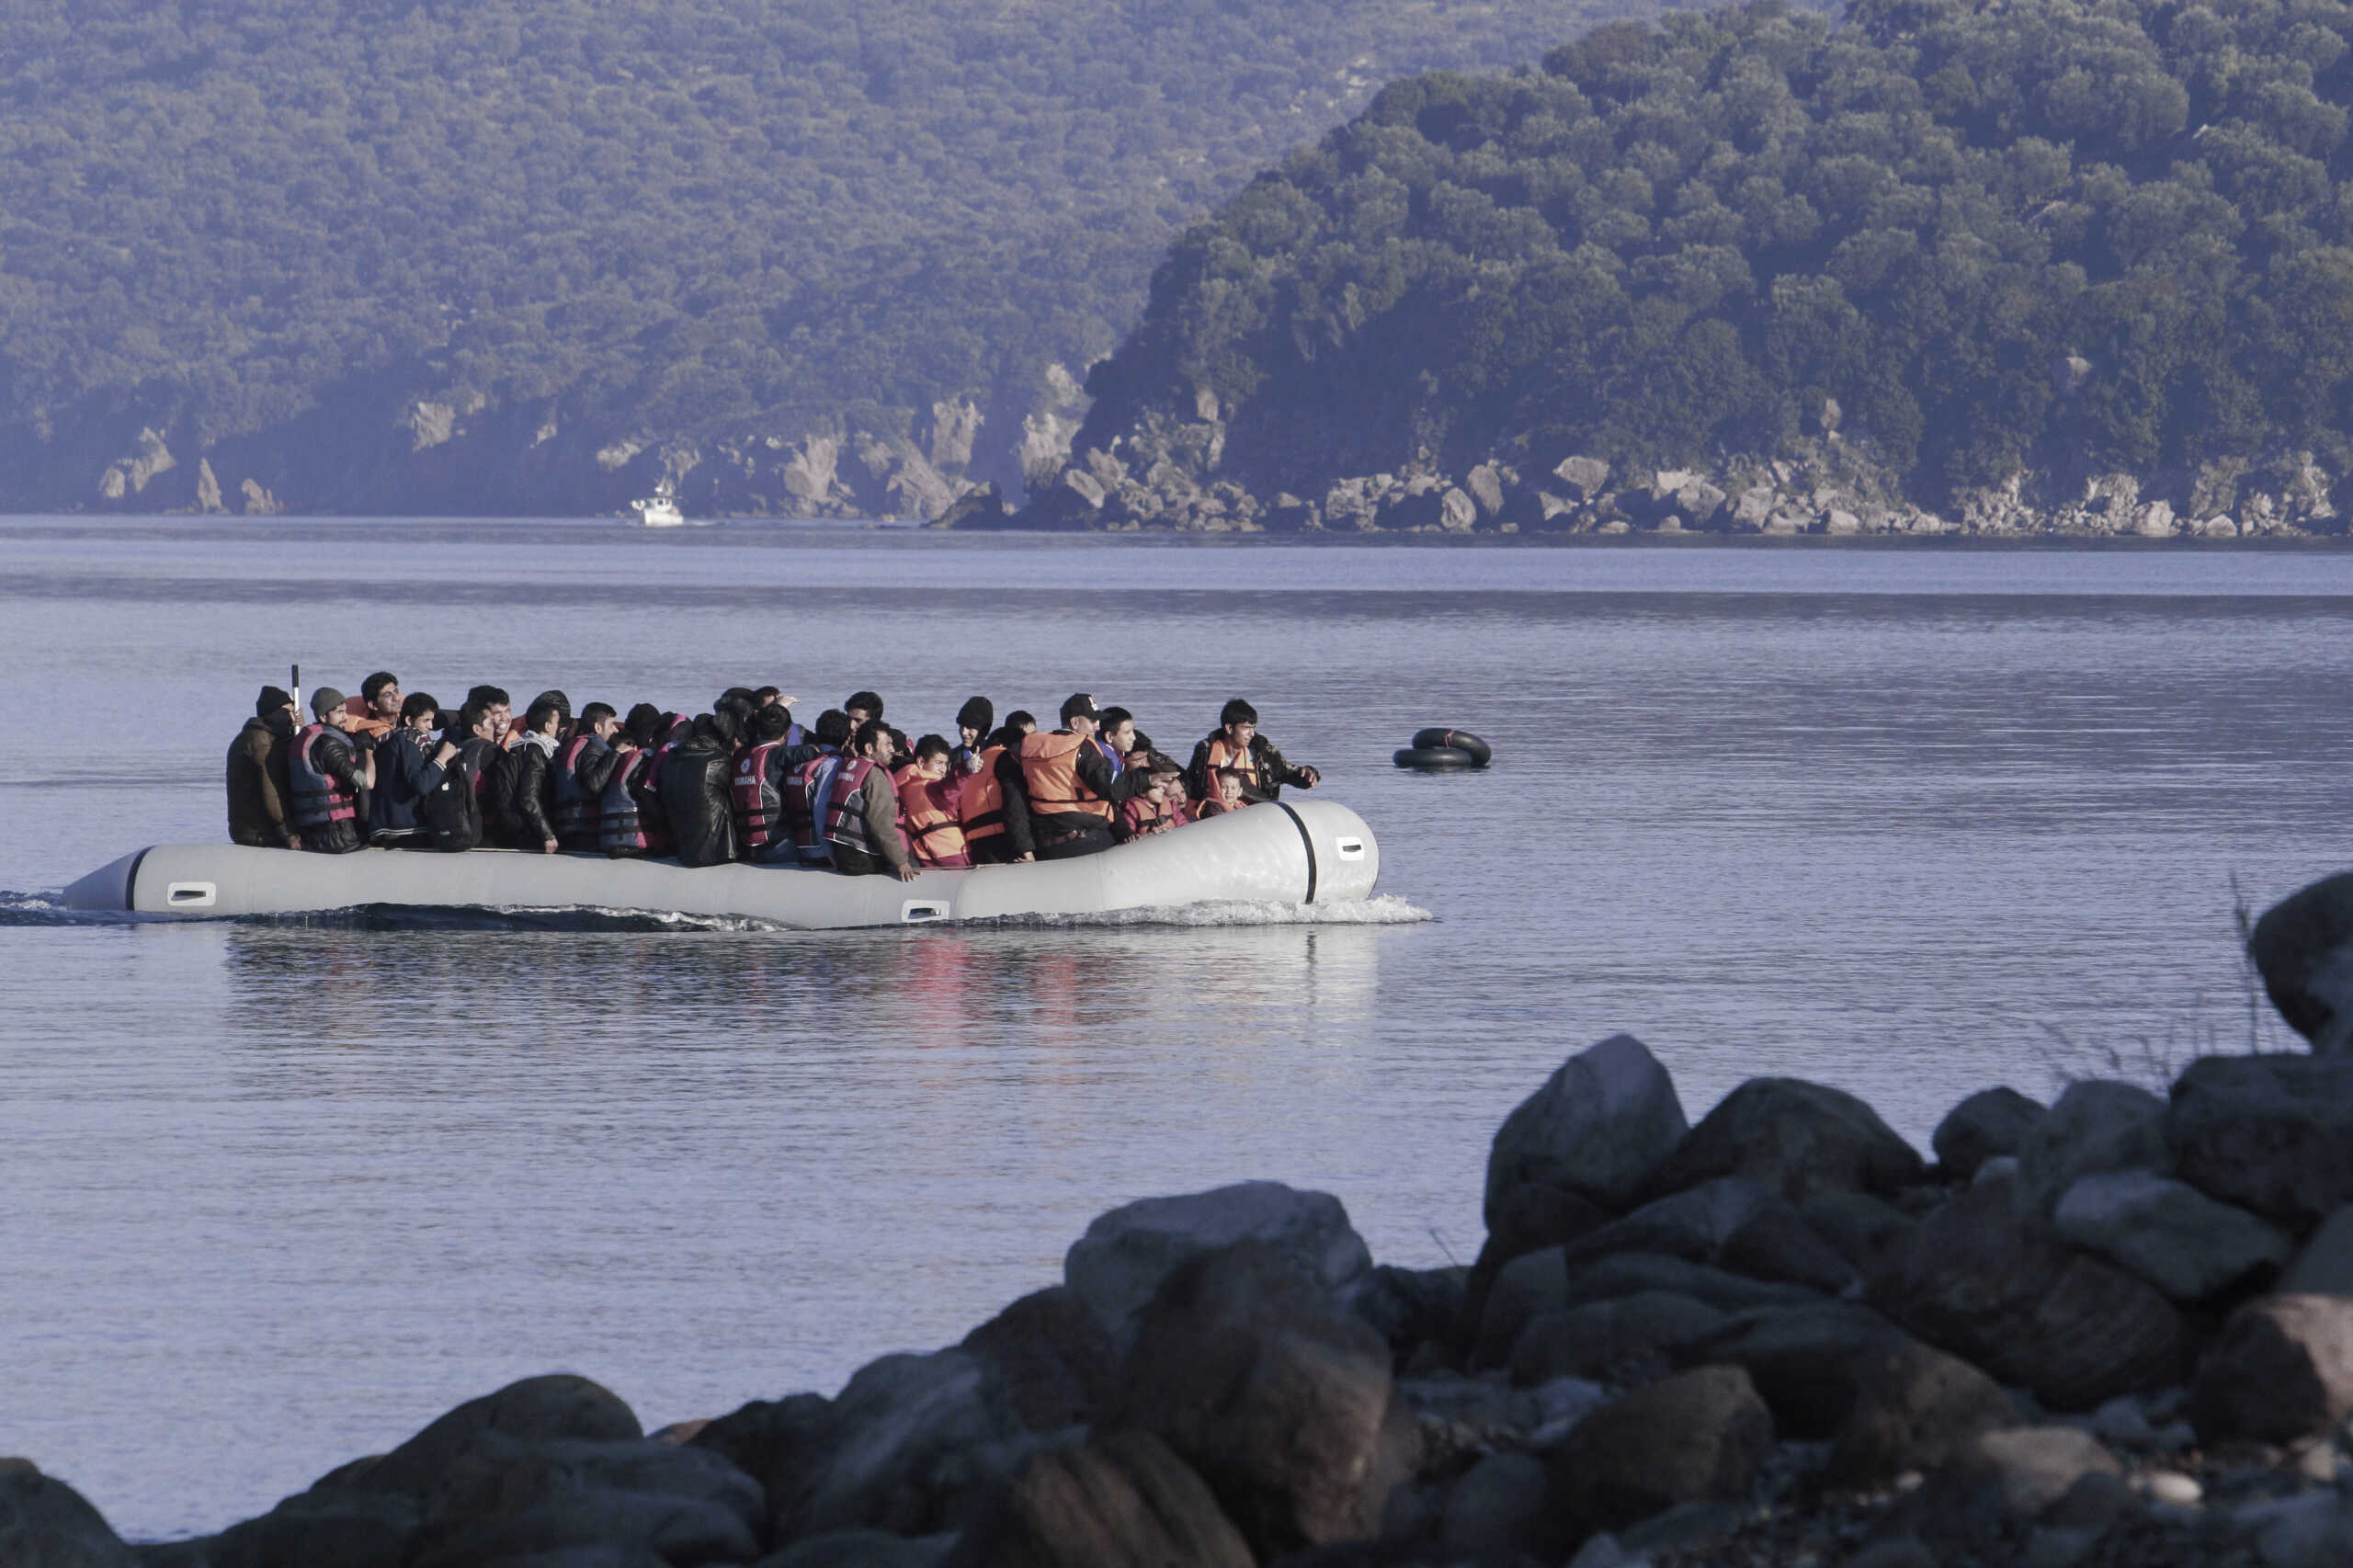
{"x":623,"y":826}
{"x":377,"y":709}
{"x":576,"y":778}
{"x":802,"y":801}
{"x":259,"y":815}
{"x":1236,"y":744}
{"x":984,"y":806}
{"x":863,"y":707}
{"x":328,"y":779}
{"x":859,"y":816}
{"x":973,"y":721}
{"x":1060,"y":793}
{"x":693,"y":780}
{"x":408,"y":765}
{"x":1116,"y":738}
{"x":498,"y":707}
{"x":928,"y":796}
{"x":452,"y":813}
{"x":773,"y":751}
{"x":530,"y":785}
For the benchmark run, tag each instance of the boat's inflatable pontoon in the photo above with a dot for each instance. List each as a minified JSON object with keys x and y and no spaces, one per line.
{"x":1291,"y":852}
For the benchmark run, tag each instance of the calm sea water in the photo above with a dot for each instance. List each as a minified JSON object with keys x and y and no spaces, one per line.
{"x":1908,"y":821}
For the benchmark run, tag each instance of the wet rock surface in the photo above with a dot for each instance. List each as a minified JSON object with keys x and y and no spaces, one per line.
{"x":1777,"y":1337}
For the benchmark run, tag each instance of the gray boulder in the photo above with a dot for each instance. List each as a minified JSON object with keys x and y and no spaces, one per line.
{"x":2324,"y":1266}
{"x":346,"y":1526}
{"x":1600,"y":1127}
{"x":2096,"y":1127}
{"x":556,"y":1405}
{"x":2280,"y":1371}
{"x":1693,"y":1437}
{"x":1485,"y":483}
{"x":1125,"y":1256}
{"x":1121,"y":1496}
{"x":1455,"y":511}
{"x":856,"y":1548}
{"x":782,"y":1444}
{"x":1808,"y":1362}
{"x":1914,"y":1408}
{"x":915,"y":1446}
{"x":1625,"y":1273}
{"x":1699,"y":502}
{"x":1730,"y":1222}
{"x":2273,"y":1134}
{"x":1988,"y":1123}
{"x":1599,"y":1338}
{"x":46,"y":1524}
{"x":1861,"y":1229}
{"x":1530,"y":1217}
{"x":1795,"y":1138}
{"x":1972,"y":1278}
{"x":1409,"y":1307}
{"x":1499,"y":1511}
{"x":2304,"y":948}
{"x":1278,"y":1398}
{"x":2169,"y":1233}
{"x":1584,"y":478}
{"x":1058,"y":1366}
{"x":1999,"y":1481}
{"x":683,"y":1532}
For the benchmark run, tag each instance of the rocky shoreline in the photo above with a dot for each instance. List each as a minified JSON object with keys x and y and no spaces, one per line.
{"x":1176,"y":474}
{"x":2116,"y":1330}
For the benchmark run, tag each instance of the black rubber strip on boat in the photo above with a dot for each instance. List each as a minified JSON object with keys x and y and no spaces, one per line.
{"x":130,"y":881}
{"x":1307,"y":842}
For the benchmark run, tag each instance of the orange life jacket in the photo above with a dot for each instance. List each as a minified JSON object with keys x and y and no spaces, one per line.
{"x":1050,"y":768}
{"x":980,"y":808}
{"x":1224,"y":754}
{"x":367,"y":720}
{"x":932,"y":831}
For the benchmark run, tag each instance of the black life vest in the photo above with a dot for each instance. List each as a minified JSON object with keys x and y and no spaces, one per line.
{"x":618,"y":826}
{"x":845,"y":815}
{"x":754,"y":798}
{"x":576,"y":812}
{"x":320,"y":797}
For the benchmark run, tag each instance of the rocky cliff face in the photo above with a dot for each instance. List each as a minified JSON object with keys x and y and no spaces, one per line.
{"x":1168,"y":472}
{"x":383,"y":447}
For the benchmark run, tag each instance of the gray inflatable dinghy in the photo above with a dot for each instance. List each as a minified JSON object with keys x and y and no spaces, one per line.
{"x":1304,"y":852}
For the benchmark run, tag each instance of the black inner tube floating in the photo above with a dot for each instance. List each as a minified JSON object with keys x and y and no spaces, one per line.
{"x":1463,"y":741}
{"x":1436,"y":759}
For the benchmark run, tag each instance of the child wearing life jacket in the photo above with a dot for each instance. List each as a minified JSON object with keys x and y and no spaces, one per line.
{"x":1161,"y":806}
{"x":1229,"y":796}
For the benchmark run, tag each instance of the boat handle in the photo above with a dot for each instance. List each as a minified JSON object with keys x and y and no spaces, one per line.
{"x":915,"y":911}
{"x":190,"y":895}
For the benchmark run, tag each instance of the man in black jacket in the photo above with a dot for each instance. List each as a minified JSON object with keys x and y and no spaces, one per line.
{"x":1060,"y":795}
{"x":530,"y":800}
{"x":452,"y":811}
{"x":408,"y":765}
{"x":257,"y":786}
{"x":695,"y":776}
{"x":1237,"y":744}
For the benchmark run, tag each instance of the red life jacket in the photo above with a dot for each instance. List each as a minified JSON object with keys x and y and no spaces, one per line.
{"x":575,"y":809}
{"x":320,"y":797}
{"x":980,"y":808}
{"x":754,"y":799}
{"x":933,"y":834}
{"x":844,"y":818}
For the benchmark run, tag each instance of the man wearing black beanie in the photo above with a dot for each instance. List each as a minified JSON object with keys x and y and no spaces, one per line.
{"x":973,"y":721}
{"x":257,"y":786}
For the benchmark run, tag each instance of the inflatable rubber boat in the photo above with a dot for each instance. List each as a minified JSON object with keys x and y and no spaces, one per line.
{"x":1291,"y":852}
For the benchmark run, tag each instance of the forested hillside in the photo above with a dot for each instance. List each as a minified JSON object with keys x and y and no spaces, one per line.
{"x":1986,"y":258}
{"x":527,"y":255}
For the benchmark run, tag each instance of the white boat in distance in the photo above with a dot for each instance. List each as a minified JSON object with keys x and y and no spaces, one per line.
{"x":660,"y":510}
{"x":1313,"y":852}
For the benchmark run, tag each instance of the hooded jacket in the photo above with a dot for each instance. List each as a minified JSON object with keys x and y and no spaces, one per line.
{"x":695,"y":777}
{"x":530,"y":800}
{"x":257,"y":786}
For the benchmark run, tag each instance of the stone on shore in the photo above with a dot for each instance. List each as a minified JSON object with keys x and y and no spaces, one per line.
{"x":1500,"y":1510}
{"x":558,"y":1404}
{"x":856,"y":1548}
{"x":1121,"y":1496}
{"x":914,"y":1445}
{"x":46,"y":1524}
{"x":1914,"y":1407}
{"x":1990,"y":1123}
{"x":1119,"y":1264}
{"x":2304,"y":948}
{"x":1732,"y":1224}
{"x":1600,"y":1127}
{"x":2095,"y":1128}
{"x":1280,"y":1398}
{"x":1808,"y":1362}
{"x":2169,"y":1233}
{"x":1593,"y":1340}
{"x":1999,"y":1480}
{"x":1795,"y":1138}
{"x":1695,"y":1435}
{"x":1530,"y":1218}
{"x":2325,"y":1265}
{"x":1410,"y":1307}
{"x":1972,"y":1278}
{"x":2273,"y":1134}
{"x":681,"y":1531}
{"x":1861,"y":1229}
{"x":1058,"y":1367}
{"x":2281,"y":1370}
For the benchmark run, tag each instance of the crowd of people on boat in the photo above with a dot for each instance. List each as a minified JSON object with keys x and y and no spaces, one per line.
{"x":742,"y":782}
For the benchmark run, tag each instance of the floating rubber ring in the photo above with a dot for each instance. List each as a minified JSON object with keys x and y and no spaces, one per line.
{"x":1436,"y":759}
{"x":1457,"y":739}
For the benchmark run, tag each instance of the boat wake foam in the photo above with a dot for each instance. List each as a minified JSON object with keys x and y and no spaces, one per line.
{"x":1386,"y":909}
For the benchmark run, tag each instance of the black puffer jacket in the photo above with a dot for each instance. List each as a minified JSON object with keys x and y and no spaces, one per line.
{"x":695,"y":776}
{"x":530,"y":800}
